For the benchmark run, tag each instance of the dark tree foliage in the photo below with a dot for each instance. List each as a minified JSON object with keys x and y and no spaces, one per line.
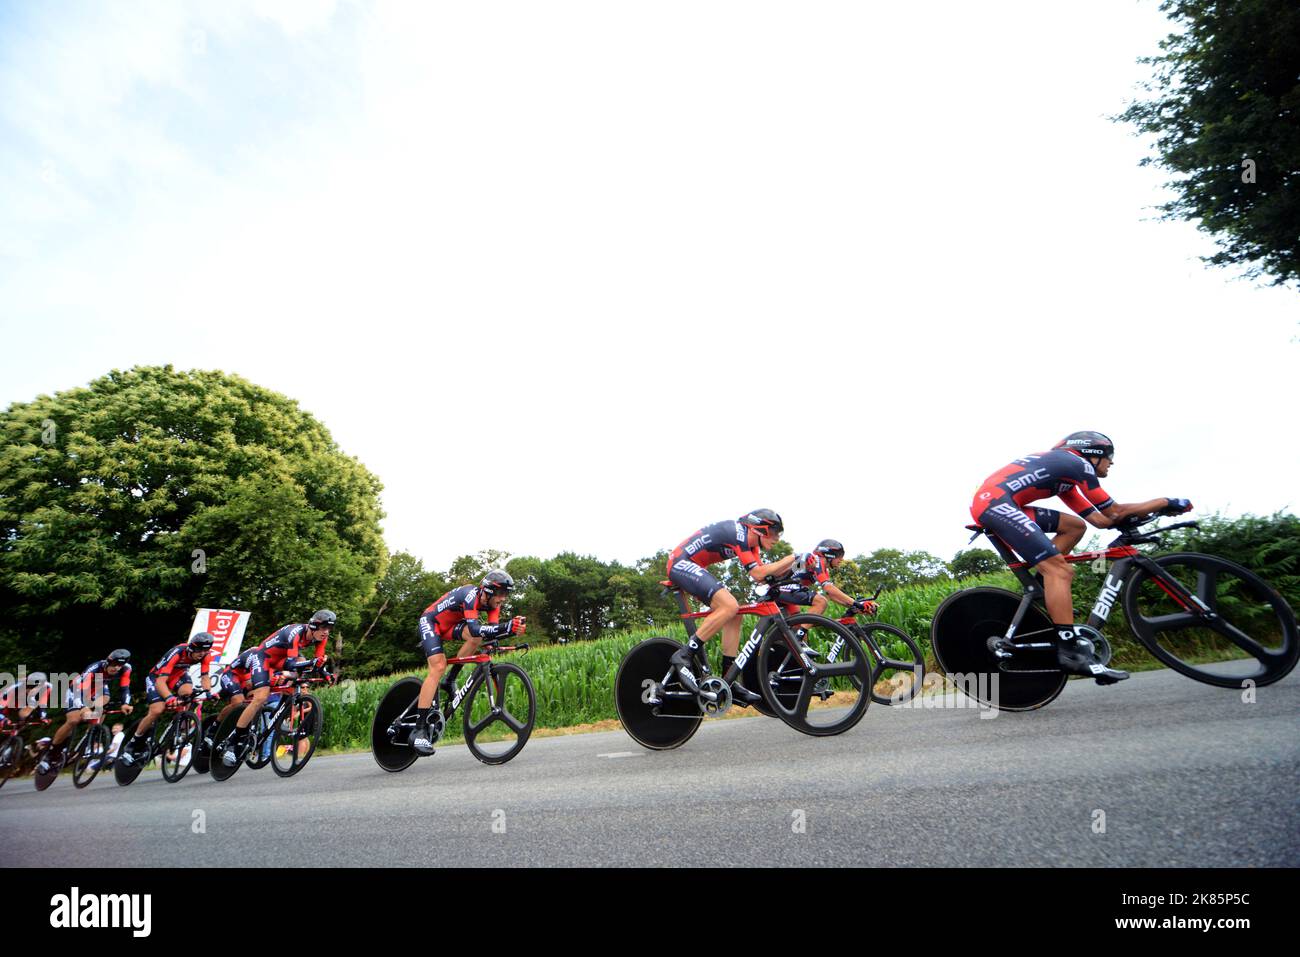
{"x":1225,"y":110}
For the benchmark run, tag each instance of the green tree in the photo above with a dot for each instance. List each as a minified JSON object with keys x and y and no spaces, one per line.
{"x":127,"y":503}
{"x":391,"y":617}
{"x":893,"y":567}
{"x":1225,"y":114}
{"x":975,"y":561}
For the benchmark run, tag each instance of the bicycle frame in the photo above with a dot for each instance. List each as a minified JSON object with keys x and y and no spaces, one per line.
{"x":479,"y":660}
{"x":1127,"y":560}
{"x":768,"y":612}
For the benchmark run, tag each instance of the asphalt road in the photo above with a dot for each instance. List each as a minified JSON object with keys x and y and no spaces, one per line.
{"x":1184,"y":774}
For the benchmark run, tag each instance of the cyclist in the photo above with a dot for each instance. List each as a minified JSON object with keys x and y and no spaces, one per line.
{"x":284,"y":650}
{"x":1069,"y":471}
{"x":742,"y":539}
{"x":22,"y":699}
{"x":810,"y":582}
{"x":448,"y":619}
{"x":236,"y":680}
{"x":168,"y":680}
{"x":90,"y":691}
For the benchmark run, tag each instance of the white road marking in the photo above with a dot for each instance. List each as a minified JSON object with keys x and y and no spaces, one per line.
{"x":621,"y":754}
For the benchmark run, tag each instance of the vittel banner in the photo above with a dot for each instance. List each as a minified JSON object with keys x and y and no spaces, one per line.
{"x":228,"y":628}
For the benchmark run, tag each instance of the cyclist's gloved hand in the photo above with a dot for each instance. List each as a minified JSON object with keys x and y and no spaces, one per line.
{"x":863,"y":606}
{"x":518,"y":625}
{"x":1177,"y":506}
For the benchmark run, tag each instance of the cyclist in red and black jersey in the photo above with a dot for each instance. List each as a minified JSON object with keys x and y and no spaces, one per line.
{"x":742,"y":539}
{"x":89,"y":691}
{"x":20,"y":700}
{"x":290,"y":648}
{"x":168,"y":680}
{"x":236,"y":680}
{"x":810,"y":582}
{"x":1070,"y":471}
{"x":455,"y":617}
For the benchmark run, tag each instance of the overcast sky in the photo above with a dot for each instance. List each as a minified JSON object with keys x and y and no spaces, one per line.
{"x":587,"y":275}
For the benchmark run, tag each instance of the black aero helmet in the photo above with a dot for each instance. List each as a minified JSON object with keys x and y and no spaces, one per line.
{"x":830,"y":548}
{"x":323,"y":619}
{"x":764,"y":519}
{"x":202,"y":641}
{"x":119,"y":657}
{"x":496,"y":581}
{"x":1088,"y":443}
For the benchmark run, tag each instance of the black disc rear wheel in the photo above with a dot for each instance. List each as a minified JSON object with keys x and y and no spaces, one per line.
{"x":671,"y":721}
{"x":960,"y":633}
{"x":390,"y":732}
{"x":224,"y":740}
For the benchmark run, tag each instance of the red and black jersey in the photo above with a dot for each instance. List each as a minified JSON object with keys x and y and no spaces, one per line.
{"x":717,"y":543}
{"x":243,"y":665}
{"x":1060,"y":473}
{"x":811,"y":570}
{"x":460,"y":604}
{"x":178,"y":662}
{"x":292,"y":641}
{"x":20,"y":695}
{"x":85,"y":683}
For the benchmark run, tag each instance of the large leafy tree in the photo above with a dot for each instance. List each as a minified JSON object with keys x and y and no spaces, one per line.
{"x":126,"y":504}
{"x":1225,"y":114}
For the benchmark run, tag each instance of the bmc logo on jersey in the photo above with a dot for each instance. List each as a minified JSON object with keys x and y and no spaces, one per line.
{"x":695,"y":545}
{"x":1029,"y":478}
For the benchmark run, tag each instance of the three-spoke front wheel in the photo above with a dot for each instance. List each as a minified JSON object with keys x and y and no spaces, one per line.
{"x":294,"y":740}
{"x":899,"y":663}
{"x":822,"y":684}
{"x":500,"y":711}
{"x":176,"y":750}
{"x":1248,"y":635}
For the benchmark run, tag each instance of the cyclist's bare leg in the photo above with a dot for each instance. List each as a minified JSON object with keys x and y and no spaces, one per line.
{"x":255,"y":702}
{"x":818,"y":606}
{"x":437,"y":665}
{"x":1057,"y":575}
{"x":69,"y":725}
{"x":235,"y":702}
{"x":731,"y":637}
{"x":723,"y":608}
{"x":1069,"y":533}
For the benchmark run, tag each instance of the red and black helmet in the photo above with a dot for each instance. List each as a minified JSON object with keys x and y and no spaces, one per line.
{"x":830,"y":548}
{"x":763,"y":521}
{"x":1088,"y":444}
{"x":496,"y":581}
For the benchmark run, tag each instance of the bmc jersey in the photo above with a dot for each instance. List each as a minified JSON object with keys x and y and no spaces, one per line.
{"x":716,"y":543}
{"x":810,"y":570}
{"x":1059,"y":473}
{"x":291,"y":641}
{"x":86,"y":683}
{"x":19,"y":695}
{"x":177,"y":662}
{"x":245,"y":664}
{"x":459,"y":604}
